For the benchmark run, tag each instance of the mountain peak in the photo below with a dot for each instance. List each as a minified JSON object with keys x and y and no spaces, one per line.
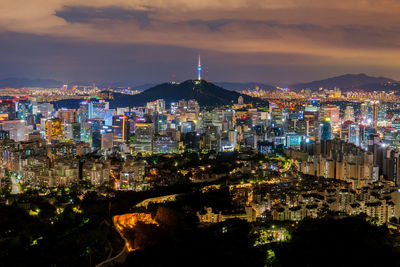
{"x":206,"y":93}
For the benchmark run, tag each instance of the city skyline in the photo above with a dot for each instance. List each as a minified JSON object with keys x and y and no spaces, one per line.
{"x":210,"y":133}
{"x":242,"y":41}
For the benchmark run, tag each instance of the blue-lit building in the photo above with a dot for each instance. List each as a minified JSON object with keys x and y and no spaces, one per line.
{"x":325,"y":130}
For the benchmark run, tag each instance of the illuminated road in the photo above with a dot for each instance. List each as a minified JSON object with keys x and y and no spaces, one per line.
{"x":161,"y":199}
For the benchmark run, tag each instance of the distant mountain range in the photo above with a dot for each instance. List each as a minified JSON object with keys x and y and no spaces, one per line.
{"x":351,"y":81}
{"x":344,"y":82}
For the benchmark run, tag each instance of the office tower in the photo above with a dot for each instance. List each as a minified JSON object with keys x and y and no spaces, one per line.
{"x":182,"y":104}
{"x":18,"y":130}
{"x":107,"y":140}
{"x":88,"y":127}
{"x":83,"y":112}
{"x":43,"y":109}
{"x":325,"y":130}
{"x":7,"y":106}
{"x":144,"y":135}
{"x":55,"y":130}
{"x":374,"y":113}
{"x":350,"y":132}
{"x":120,"y":128}
{"x":382,"y":112}
{"x":302,"y":127}
{"x":97,"y":109}
{"x":174,"y":107}
{"x":212,"y":138}
{"x":122,"y":111}
{"x":349,"y":114}
{"x":156,"y":106}
{"x":277,"y":117}
{"x":165,"y":145}
{"x":333,"y":113}
{"x":369,"y":112}
{"x":316,"y":102}
{"x":23,"y":109}
{"x":233,"y":138}
{"x":193,"y":106}
{"x":96,"y":140}
{"x":67,"y":116}
{"x":354,"y":134}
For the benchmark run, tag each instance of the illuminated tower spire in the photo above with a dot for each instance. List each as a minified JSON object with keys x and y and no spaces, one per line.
{"x":199,"y":70}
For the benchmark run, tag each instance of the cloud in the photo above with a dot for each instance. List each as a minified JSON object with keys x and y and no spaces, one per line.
{"x":357,"y":32}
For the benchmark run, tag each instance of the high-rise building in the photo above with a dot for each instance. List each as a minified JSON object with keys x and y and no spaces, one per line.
{"x":55,"y":130}
{"x":349,"y":114}
{"x":83,"y":112}
{"x":212,"y":138}
{"x":18,"y":130}
{"x":165,"y":145}
{"x":302,"y":127}
{"x":374,"y":113}
{"x":107,"y":140}
{"x":96,"y":140}
{"x":97,"y":109}
{"x":144,"y":135}
{"x":7,"y":106}
{"x":120,"y":128}
{"x":67,"y":116}
{"x":23,"y":109}
{"x":325,"y":130}
{"x":333,"y":113}
{"x":156,"y":106}
{"x":73,"y":131}
{"x":277,"y":117}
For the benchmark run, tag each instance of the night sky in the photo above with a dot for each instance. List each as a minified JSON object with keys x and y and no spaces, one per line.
{"x":270,"y":41}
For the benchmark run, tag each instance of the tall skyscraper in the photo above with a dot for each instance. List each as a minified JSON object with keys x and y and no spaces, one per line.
{"x":17,"y":129}
{"x":333,"y":113}
{"x":55,"y":130}
{"x":374,"y":113}
{"x":349,"y":114}
{"x":144,"y":134}
{"x":120,"y":128}
{"x":67,"y":115}
{"x":325,"y":130}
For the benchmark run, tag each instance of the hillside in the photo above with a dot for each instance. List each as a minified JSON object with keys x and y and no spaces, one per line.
{"x":347,"y":82}
{"x":207,"y":94}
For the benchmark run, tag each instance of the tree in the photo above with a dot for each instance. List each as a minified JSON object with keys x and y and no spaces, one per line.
{"x":350,"y":241}
{"x":146,"y":235}
{"x":167,"y":218}
{"x":394,"y":220}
